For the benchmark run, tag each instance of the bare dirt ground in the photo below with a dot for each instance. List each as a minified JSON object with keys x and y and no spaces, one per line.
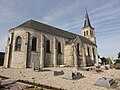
{"x":86,"y":83}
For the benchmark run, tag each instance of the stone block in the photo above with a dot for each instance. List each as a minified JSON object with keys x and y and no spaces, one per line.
{"x":105,"y":82}
{"x":56,"y":73}
{"x":112,"y":66}
{"x":70,"y":75}
{"x":117,"y":66}
{"x":79,"y":69}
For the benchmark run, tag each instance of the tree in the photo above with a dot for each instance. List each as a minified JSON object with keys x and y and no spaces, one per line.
{"x":106,"y":60}
{"x":117,"y":61}
{"x":119,"y":55}
{"x":103,"y":60}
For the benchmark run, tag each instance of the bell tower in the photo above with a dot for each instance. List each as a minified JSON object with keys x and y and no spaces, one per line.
{"x":88,"y":30}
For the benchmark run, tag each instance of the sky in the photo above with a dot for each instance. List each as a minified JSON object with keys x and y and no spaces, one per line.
{"x":68,"y":15}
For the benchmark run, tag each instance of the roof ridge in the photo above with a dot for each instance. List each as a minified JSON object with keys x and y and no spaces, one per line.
{"x":52,"y":26}
{"x":50,"y":29}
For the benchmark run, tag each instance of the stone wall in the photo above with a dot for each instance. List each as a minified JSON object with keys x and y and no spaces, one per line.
{"x":35,"y":60}
{"x":25,"y":57}
{"x":19,"y":58}
{"x":68,"y":56}
{"x":90,"y":60}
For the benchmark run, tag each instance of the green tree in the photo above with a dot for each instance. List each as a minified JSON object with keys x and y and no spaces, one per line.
{"x":117,"y":61}
{"x":106,"y":60}
{"x":119,"y":55}
{"x":103,"y":60}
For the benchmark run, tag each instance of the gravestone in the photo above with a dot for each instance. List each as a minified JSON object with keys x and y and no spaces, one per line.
{"x":117,"y":66}
{"x":105,"y":82}
{"x":106,"y":67}
{"x":79,"y":69}
{"x":112,"y":66}
{"x":70,"y":75}
{"x":98,"y":70}
{"x":56,"y":73}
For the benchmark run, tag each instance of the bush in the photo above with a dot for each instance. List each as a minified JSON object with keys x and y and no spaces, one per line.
{"x":117,"y":61}
{"x":106,"y":61}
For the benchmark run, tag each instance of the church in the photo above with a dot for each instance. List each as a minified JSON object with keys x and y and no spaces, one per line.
{"x":34,"y":44}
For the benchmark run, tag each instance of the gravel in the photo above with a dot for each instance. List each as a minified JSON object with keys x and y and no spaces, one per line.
{"x":86,"y":83}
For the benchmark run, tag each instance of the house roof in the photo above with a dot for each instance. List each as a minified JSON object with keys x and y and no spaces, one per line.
{"x":52,"y":30}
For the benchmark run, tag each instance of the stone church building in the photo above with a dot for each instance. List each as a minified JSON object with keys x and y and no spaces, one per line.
{"x":36,"y":44}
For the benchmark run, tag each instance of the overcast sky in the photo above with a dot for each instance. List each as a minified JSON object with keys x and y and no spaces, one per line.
{"x":67,"y":15}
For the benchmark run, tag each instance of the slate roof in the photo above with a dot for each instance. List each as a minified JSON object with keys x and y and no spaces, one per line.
{"x":52,"y":30}
{"x":87,"y":21}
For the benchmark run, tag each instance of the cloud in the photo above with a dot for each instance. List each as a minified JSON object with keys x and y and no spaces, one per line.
{"x":66,"y":14}
{"x":107,"y":5}
{"x":109,"y":47}
{"x":3,"y":41}
{"x":61,"y":11}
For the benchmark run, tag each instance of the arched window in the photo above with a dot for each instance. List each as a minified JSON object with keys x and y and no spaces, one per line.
{"x":48,"y":46}
{"x":84,"y":33}
{"x":34,"y":41}
{"x":87,"y":32}
{"x":91,"y":33}
{"x":18,"y":43}
{"x":88,"y":50}
{"x":59,"y":47}
{"x":78,"y":52}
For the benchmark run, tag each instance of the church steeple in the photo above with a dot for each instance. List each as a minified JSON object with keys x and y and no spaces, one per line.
{"x":87,"y":20}
{"x":88,"y":30}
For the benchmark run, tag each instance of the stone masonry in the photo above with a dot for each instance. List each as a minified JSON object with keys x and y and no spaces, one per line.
{"x":65,"y":48}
